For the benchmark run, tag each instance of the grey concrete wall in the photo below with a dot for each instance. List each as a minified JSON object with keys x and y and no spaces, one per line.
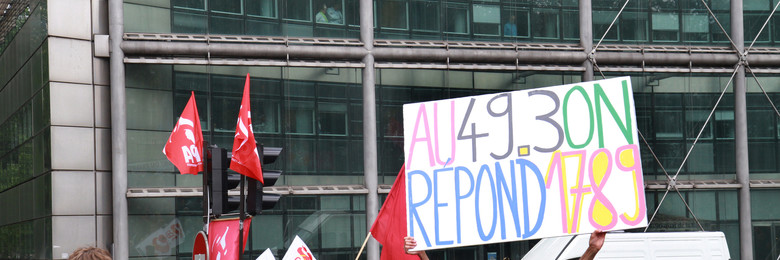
{"x":80,"y":122}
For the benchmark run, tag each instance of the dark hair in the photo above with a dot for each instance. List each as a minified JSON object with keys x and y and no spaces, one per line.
{"x":90,"y":253}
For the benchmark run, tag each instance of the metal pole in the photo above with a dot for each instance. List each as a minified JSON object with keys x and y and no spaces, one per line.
{"x":740,"y":137}
{"x":241,"y":217}
{"x":370,"y":169}
{"x":118,"y":129}
{"x":586,"y":37}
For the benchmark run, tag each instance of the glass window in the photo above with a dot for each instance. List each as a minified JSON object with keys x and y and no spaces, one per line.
{"x":263,"y":8}
{"x":265,"y":224}
{"x":336,"y":231}
{"x":301,"y":156}
{"x":724,"y":157}
{"x":332,"y":118}
{"x":456,"y":18}
{"x":265,"y":116}
{"x":298,"y":10}
{"x":601,"y":22}
{"x":717,"y":34}
{"x":721,"y":5}
{"x":425,"y":15}
{"x":633,"y":26}
{"x":333,"y":157}
{"x":663,"y":4}
{"x":226,"y":112}
{"x":233,"y":25}
{"x":516,"y":23}
{"x":696,"y":27}
{"x":255,"y":27}
{"x":185,"y":22}
{"x":336,"y":91}
{"x":545,"y":23}
{"x":392,"y":14}
{"x":300,"y":118}
{"x":352,"y":12}
{"x":762,"y":235}
{"x":700,"y":159}
{"x":753,"y":23}
{"x":227,"y":6}
{"x":761,"y":124}
{"x":667,"y":124}
{"x":487,"y":19}
{"x":571,"y":25}
{"x":665,"y":27}
{"x":694,"y":121}
{"x":755,"y":5}
{"x":194,"y":4}
{"x":724,"y":124}
{"x":762,"y":156}
{"x":299,"y":88}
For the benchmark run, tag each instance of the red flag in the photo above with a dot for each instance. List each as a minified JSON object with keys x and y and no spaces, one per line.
{"x":389,"y":228}
{"x":185,"y":144}
{"x":223,"y":238}
{"x":245,"y":159}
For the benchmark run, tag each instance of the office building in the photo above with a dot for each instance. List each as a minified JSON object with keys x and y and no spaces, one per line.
{"x":90,"y":90}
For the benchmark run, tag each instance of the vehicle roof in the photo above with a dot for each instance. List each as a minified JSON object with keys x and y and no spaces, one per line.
{"x":711,"y":245}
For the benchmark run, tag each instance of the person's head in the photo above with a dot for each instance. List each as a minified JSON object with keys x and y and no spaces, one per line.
{"x":90,"y":253}
{"x":324,"y":7}
{"x":512,"y":19}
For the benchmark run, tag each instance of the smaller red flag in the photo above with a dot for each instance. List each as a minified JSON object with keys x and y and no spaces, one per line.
{"x":389,"y":228}
{"x":223,"y":238}
{"x":185,"y":144}
{"x":245,"y":159}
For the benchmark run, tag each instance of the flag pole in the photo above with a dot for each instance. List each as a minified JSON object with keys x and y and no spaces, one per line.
{"x":363,"y":246}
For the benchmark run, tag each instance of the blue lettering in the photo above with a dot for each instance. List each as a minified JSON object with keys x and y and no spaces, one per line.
{"x":459,"y":196}
{"x":437,"y":205}
{"x":413,"y":214}
{"x":482,"y":235}
{"x":540,"y":217}
{"x":511,"y":197}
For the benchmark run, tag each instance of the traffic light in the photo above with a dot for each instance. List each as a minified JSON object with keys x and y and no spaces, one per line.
{"x":222,"y":181}
{"x":257,"y":201}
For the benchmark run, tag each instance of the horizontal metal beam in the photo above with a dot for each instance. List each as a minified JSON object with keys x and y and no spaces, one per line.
{"x":650,"y":185}
{"x":479,"y":55}
{"x":241,"y":50}
{"x":243,"y":62}
{"x":695,"y":184}
{"x":666,"y":58}
{"x":282,"y":190}
{"x":146,"y":48}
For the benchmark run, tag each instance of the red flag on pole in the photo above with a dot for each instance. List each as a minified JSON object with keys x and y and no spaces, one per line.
{"x":389,"y":228}
{"x":245,"y":159}
{"x":223,"y":238}
{"x":185,"y":144}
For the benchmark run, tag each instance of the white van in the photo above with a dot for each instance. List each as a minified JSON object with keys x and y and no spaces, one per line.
{"x":666,"y":245}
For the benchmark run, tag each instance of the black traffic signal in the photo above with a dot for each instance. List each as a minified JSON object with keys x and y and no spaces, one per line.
{"x":222,"y":181}
{"x":257,"y":201}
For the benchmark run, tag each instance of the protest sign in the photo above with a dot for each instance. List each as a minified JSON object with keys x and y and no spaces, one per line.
{"x":298,"y":250}
{"x":523,"y":165}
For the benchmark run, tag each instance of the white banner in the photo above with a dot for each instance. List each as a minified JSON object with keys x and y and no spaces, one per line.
{"x":266,"y":255}
{"x":298,"y":251}
{"x":523,"y":165}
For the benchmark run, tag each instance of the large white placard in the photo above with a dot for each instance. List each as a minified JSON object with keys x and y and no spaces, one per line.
{"x":523,"y":165}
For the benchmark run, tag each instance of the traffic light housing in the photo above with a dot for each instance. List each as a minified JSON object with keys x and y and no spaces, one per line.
{"x":222,"y":181}
{"x":257,"y":201}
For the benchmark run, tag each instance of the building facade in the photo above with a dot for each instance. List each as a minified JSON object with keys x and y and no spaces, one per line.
{"x":90,"y":90}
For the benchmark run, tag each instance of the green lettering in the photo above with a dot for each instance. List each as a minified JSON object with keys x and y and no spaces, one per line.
{"x":625,"y":126}
{"x":566,"y":117}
